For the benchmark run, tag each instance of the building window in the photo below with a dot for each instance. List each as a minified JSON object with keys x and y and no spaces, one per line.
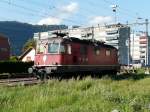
{"x":142,"y":51}
{"x":112,"y":32}
{"x":108,"y":52}
{"x":142,"y":56}
{"x":142,"y":46}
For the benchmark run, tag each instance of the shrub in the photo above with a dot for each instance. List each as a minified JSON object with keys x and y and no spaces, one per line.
{"x":14,"y":66}
{"x":13,"y":58}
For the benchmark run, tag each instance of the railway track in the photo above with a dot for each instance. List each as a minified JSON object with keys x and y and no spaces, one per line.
{"x":19,"y":81}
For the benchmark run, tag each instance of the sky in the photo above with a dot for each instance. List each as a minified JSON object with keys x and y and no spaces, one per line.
{"x":74,"y":12}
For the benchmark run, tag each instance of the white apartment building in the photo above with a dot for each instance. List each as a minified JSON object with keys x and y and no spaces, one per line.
{"x":135,"y":51}
{"x":140,"y":49}
{"x":143,"y":48}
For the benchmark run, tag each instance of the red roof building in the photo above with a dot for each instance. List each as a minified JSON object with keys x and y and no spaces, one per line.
{"x":4,"y":48}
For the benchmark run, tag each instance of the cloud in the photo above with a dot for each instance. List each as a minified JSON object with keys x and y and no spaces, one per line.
{"x":50,"y":21}
{"x":100,"y":20}
{"x":62,"y":14}
{"x":70,"y":8}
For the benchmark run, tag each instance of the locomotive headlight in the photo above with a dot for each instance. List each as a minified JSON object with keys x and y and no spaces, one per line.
{"x":44,"y":58}
{"x":30,"y":70}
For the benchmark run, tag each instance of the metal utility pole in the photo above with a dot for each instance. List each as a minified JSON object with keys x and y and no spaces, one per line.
{"x":133,"y":48}
{"x":147,"y":46}
{"x":92,"y":33}
{"x":114,"y":9}
{"x":146,"y":22}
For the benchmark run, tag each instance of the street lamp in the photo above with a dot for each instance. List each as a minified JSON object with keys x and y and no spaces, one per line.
{"x":114,"y":9}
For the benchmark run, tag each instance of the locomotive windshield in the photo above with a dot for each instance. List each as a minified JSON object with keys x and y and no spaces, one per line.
{"x":40,"y":49}
{"x":53,"y":47}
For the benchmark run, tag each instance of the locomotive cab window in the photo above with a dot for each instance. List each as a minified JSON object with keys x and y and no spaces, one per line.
{"x":97,"y":51}
{"x":68,"y":49}
{"x":40,"y":48}
{"x":65,"y":49}
{"x":62,"y":48}
{"x":53,"y":47}
{"x":108,"y":52}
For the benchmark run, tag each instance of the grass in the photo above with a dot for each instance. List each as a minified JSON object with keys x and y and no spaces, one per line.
{"x":87,"y":95}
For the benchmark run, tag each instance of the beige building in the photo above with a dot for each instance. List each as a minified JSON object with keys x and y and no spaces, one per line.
{"x":28,"y":55}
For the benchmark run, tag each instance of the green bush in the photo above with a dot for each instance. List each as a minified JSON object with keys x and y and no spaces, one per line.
{"x":13,"y":58}
{"x":14,"y":66}
{"x":141,"y":71}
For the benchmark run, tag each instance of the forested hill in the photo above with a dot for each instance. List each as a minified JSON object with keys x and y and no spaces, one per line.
{"x":18,"y":33}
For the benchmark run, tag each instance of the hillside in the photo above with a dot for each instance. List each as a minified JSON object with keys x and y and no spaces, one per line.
{"x":18,"y":33}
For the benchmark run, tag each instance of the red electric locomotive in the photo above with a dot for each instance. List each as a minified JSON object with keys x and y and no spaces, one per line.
{"x":61,"y":55}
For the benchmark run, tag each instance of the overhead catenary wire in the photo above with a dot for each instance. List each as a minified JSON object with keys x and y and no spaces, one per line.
{"x":82,"y":16}
{"x":52,"y":7}
{"x":86,"y":10}
{"x":37,"y":11}
{"x":97,"y":6}
{"x":130,"y":13}
{"x":33,"y":12}
{"x":121,"y":10}
{"x":23,"y":14}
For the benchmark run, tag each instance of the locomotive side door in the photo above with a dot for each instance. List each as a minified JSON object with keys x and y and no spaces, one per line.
{"x":79,"y":54}
{"x":75,"y":54}
{"x":83,"y":54}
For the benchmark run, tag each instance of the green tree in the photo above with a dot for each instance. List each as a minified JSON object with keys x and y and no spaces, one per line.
{"x":13,"y":58}
{"x":31,"y":43}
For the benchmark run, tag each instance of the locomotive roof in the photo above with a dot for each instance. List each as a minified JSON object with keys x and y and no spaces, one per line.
{"x":88,"y":41}
{"x":83,"y":41}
